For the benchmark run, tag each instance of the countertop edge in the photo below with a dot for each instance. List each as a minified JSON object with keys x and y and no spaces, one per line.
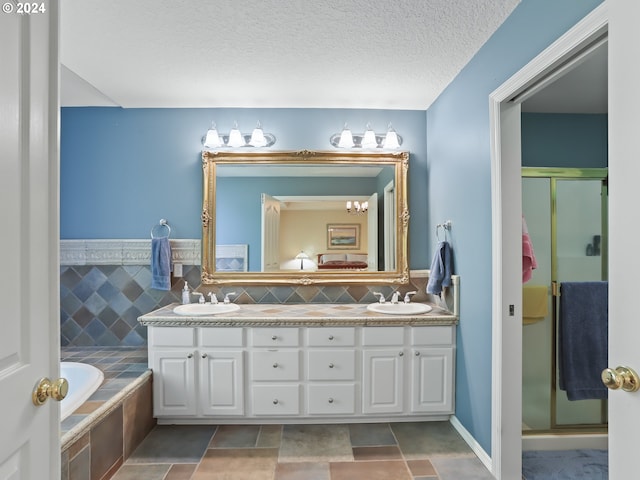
{"x":164,"y":317}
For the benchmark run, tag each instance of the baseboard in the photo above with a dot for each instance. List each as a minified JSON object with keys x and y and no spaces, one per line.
{"x":473,"y":444}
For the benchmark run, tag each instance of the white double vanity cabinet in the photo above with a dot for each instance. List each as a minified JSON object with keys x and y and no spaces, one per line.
{"x":265,"y":364}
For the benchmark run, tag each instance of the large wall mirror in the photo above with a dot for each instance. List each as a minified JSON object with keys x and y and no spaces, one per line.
{"x":304,"y":218}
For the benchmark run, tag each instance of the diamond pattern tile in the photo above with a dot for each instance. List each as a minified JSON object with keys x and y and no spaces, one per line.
{"x":100,"y":304}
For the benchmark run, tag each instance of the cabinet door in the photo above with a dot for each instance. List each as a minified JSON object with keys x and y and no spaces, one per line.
{"x":174,"y":391}
{"x":382,"y":382}
{"x":432,"y":380}
{"x":221,"y":382}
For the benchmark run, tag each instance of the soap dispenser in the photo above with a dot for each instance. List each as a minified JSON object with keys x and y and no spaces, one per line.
{"x":186,"y":298}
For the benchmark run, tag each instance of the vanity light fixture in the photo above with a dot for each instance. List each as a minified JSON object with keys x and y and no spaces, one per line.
{"x":369,"y":140}
{"x":212,"y":139}
{"x":357,"y":208}
{"x":236,"y":139}
{"x":346,"y":139}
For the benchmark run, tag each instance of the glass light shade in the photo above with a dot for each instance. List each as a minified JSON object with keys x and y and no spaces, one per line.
{"x":391,"y":140}
{"x":212,"y":139}
{"x":302,"y":256}
{"x":346,"y":139}
{"x":369,"y":139}
{"x":257,"y":137}
{"x":235,"y":138}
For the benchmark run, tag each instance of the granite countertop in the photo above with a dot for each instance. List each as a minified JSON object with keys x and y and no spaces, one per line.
{"x":301,"y":315}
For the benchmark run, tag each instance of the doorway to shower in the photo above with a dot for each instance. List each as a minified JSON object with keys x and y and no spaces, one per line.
{"x":565,"y":210}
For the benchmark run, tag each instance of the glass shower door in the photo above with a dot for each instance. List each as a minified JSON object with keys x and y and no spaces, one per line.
{"x":579,"y":258}
{"x":565,"y":212}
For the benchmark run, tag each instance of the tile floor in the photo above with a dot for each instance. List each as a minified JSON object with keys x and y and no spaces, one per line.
{"x":381,"y":451}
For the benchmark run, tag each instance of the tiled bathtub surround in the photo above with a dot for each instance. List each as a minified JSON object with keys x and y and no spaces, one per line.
{"x":103,"y":432}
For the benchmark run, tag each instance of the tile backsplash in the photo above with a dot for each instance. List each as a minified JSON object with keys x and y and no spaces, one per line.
{"x":100,"y":303}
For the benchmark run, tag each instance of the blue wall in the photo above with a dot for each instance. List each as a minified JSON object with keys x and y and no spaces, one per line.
{"x":564,"y":140}
{"x":124,"y":169}
{"x":459,"y":185}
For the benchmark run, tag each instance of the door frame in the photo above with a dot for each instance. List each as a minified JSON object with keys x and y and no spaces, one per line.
{"x":506,"y":414}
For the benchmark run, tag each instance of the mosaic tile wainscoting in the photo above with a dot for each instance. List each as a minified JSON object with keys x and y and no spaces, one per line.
{"x":105,"y":285}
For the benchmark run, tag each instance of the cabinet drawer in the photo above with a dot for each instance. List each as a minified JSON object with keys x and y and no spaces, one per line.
{"x":275,"y":337}
{"x":275,"y":399}
{"x":339,"y":399}
{"x":324,"y":337}
{"x":331,"y":364}
{"x":171,"y":336}
{"x":275,"y":365}
{"x":437,"y":335}
{"x":383,"y":336}
{"x":221,"y":337}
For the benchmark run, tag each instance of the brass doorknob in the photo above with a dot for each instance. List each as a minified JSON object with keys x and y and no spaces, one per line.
{"x":45,"y":389}
{"x":621,"y":377}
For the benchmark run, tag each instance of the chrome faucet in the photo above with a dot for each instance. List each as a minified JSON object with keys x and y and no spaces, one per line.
{"x":394,"y":297}
{"x":200,"y":296}
{"x":226,"y":297}
{"x":407,"y":296}
{"x":382,"y":299}
{"x":213,"y":298}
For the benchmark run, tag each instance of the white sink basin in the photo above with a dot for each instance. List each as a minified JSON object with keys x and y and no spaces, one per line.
{"x":399,"y":308}
{"x":206,"y":308}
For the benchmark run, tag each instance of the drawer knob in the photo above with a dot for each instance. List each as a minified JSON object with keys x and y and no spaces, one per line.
{"x":204,"y":355}
{"x":275,"y":365}
{"x":331,"y":365}
{"x":330,"y":400}
{"x":417,"y":354}
{"x":190,"y":355}
{"x":401,"y":354}
{"x":275,"y":401}
{"x":330,"y":337}
{"x":274,"y":337}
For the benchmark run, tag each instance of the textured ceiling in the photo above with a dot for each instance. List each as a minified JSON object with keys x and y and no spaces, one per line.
{"x":392,"y":54}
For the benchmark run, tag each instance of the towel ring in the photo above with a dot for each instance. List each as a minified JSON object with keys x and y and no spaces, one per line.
{"x":162,"y":223}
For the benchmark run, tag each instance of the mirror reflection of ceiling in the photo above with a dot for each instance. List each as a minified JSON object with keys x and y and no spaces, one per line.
{"x":581,"y":90}
{"x":304,"y":54}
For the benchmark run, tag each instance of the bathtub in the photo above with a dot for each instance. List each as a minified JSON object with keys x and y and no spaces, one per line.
{"x":83,"y":380}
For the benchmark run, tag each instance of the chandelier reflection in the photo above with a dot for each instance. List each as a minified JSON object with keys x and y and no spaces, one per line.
{"x":357,"y":208}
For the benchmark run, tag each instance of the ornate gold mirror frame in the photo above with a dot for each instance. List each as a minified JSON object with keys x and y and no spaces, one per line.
{"x":399,"y":161}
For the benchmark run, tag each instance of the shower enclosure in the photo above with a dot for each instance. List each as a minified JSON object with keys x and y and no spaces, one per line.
{"x":565,"y":210}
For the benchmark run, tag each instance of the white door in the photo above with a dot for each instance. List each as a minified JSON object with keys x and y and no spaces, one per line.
{"x":624,"y":264}
{"x":372,"y":232}
{"x":29,"y":295}
{"x":270,"y":233}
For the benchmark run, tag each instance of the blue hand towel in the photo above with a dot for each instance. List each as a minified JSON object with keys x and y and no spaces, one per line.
{"x":160,"y":263}
{"x":583,"y":339}
{"x":440,"y":273}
